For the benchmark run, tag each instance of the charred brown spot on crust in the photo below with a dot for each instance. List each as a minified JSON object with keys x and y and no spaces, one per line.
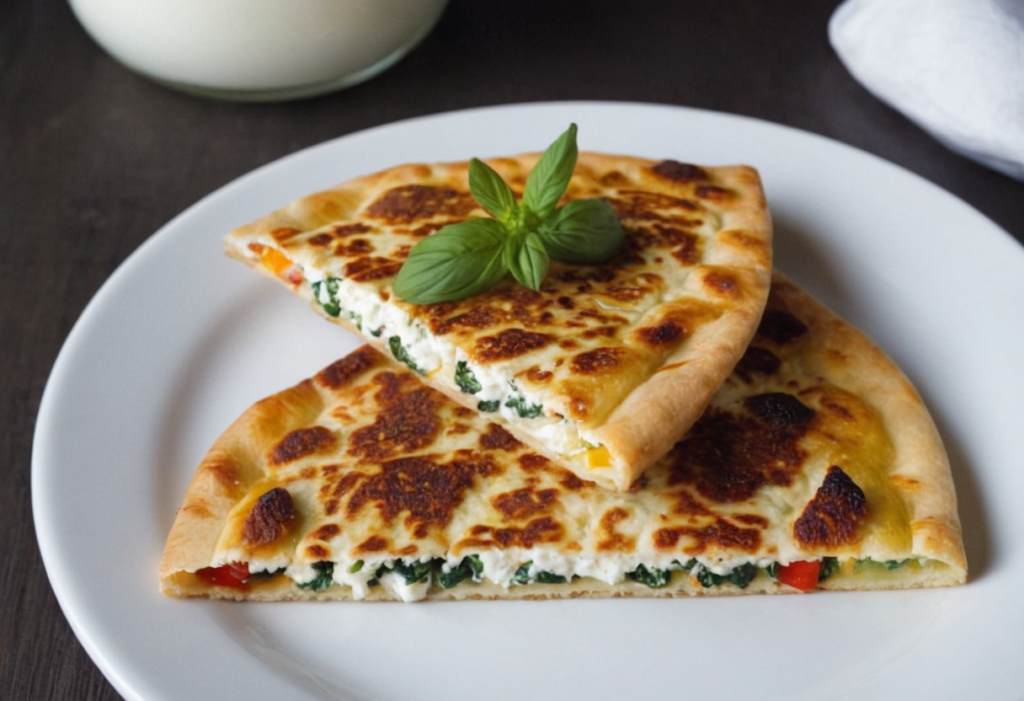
{"x":510,"y":343}
{"x":333,"y":490}
{"x":342,"y":372}
{"x":327,"y":531}
{"x":757,"y":361}
{"x":742,"y":239}
{"x":832,"y":517}
{"x":579,"y":407}
{"x":269,"y":518}
{"x":317,"y":551}
{"x":408,"y":203}
{"x":302,"y":442}
{"x":568,"y":343}
{"x":524,"y":503}
{"x":583,"y":274}
{"x":623,"y":293}
{"x":686,"y":254}
{"x":478,"y":317}
{"x":427,"y":229}
{"x":285,"y":233}
{"x":686,"y":245}
{"x":752,"y":520}
{"x":780,"y":326}
{"x":599,"y":360}
{"x":320,"y":239}
{"x":714,"y":193}
{"x":354,"y":247}
{"x":539,"y":530}
{"x":373,"y":544}
{"x":721,"y":283}
{"x":406,"y":419}
{"x":457,"y":429}
{"x":531,"y":462}
{"x":372,"y":268}
{"x":779,"y":410}
{"x":729,"y":456}
{"x":497,"y":438}
{"x":566,"y":302}
{"x":538,"y":376}
{"x":425,"y":490}
{"x":571,"y":482}
{"x":343,"y":230}
{"x":674,"y":170}
{"x":614,"y":178}
{"x":665,"y":332}
{"x":720,"y":534}
{"x":224,"y":474}
{"x":686,"y":503}
{"x":611,"y":539}
{"x":669,"y":235}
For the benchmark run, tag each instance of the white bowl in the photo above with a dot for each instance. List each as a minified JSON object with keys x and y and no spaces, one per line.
{"x":258,"y":49}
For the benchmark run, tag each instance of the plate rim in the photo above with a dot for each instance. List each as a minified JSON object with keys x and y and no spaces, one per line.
{"x":93,"y":309}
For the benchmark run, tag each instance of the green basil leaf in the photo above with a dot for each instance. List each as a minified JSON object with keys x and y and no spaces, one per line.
{"x":458,"y":261}
{"x":491,"y":191}
{"x":582,"y":231}
{"x":548,"y":180}
{"x":528,"y":261}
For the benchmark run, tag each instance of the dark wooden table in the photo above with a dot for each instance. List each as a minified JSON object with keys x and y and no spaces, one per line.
{"x":94,"y":159}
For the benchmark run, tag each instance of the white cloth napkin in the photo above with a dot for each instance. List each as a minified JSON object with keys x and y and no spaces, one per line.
{"x":955,"y":67}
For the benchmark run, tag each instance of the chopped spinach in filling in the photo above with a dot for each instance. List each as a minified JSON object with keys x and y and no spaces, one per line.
{"x":401,"y":353}
{"x":326,"y":294}
{"x":651,"y":576}
{"x":522,"y":576}
{"x":489,"y":406}
{"x":469,"y":568}
{"x":525,"y":411}
{"x":465,"y":378}
{"x":324,"y":577}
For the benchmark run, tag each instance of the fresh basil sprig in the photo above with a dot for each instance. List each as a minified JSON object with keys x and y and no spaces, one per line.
{"x":472,"y":256}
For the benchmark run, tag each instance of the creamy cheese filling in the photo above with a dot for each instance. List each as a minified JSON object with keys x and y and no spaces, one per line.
{"x":412,"y":343}
{"x":411,"y":580}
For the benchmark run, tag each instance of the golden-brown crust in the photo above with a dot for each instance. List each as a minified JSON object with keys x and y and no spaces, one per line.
{"x":668,"y":317}
{"x":847,"y":358}
{"x":816,"y":446}
{"x":224,"y":477}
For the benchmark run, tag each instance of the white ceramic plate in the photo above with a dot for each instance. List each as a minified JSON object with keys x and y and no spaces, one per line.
{"x":181,"y":340}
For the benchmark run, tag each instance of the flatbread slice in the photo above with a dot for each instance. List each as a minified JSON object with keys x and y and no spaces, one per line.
{"x":604,"y":368}
{"x":816,"y":466}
